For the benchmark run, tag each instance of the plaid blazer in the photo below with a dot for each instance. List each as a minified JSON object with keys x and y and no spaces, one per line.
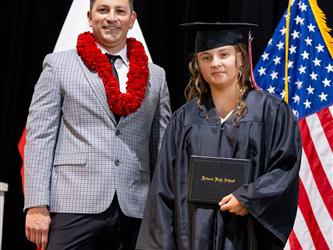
{"x":76,"y":156}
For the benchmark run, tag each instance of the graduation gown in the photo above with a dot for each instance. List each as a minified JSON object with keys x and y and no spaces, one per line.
{"x":268,"y":135}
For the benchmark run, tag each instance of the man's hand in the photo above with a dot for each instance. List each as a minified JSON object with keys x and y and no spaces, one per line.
{"x":232,"y":205}
{"x":37,"y":226}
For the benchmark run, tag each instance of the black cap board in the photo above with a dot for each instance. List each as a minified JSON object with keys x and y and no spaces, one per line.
{"x":214,"y":35}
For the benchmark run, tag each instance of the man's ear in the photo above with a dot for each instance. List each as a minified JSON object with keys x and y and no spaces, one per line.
{"x":89,"y":18}
{"x":133,"y":18}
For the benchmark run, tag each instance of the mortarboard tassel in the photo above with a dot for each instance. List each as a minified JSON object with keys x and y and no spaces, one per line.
{"x":253,"y":81}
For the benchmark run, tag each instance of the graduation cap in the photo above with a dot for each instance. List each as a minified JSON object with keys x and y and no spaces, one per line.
{"x":214,"y":35}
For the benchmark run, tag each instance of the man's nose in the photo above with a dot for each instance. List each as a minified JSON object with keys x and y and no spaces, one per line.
{"x":112,"y":16}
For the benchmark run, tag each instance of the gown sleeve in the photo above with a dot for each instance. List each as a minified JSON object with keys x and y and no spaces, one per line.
{"x":157,"y":228}
{"x":272,"y":197}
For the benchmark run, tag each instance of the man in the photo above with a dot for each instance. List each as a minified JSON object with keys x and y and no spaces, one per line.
{"x":93,"y":133}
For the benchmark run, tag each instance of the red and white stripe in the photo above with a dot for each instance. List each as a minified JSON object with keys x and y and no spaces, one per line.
{"x":313,"y":227}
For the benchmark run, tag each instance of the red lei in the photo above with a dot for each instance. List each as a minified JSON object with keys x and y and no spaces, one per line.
{"x":120,"y":103}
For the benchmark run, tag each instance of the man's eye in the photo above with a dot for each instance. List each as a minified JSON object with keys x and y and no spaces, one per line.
{"x":121,"y":11}
{"x":102,"y":10}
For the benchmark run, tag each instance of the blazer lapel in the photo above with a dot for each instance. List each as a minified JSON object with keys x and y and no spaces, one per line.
{"x":97,"y":86}
{"x":143,"y":103}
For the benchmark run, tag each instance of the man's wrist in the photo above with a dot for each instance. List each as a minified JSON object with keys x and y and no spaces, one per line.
{"x":38,"y":207}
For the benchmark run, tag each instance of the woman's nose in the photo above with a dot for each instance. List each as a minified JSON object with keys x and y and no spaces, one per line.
{"x":216,"y":62}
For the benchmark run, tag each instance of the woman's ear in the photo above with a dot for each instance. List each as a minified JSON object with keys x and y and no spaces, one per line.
{"x":239,"y":60}
{"x":196,"y":63}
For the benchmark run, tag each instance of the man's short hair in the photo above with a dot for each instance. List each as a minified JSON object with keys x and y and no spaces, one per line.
{"x":130,"y":2}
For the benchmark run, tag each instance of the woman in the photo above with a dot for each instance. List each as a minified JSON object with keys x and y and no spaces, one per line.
{"x":225,"y":116}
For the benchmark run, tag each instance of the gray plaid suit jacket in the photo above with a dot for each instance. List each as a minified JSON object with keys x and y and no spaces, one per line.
{"x":76,"y":157}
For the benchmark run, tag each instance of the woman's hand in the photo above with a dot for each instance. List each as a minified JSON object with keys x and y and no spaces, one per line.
{"x":232,"y":205}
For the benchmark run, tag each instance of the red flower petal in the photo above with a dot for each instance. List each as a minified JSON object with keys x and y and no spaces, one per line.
{"x":119,"y":103}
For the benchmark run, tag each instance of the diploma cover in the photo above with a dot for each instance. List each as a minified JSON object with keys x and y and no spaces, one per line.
{"x":211,"y":178}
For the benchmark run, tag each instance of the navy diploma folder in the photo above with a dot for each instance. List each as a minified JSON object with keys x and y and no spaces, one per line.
{"x":212,"y":178}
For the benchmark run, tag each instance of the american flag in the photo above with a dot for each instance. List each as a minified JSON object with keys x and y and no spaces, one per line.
{"x":310,"y":94}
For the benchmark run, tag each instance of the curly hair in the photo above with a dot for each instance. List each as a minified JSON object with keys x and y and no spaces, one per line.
{"x":197,"y":87}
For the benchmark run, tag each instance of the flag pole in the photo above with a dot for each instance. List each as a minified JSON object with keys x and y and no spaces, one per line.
{"x":286,"y":84}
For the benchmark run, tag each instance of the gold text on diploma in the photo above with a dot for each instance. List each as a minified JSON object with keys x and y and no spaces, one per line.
{"x":217,"y":179}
